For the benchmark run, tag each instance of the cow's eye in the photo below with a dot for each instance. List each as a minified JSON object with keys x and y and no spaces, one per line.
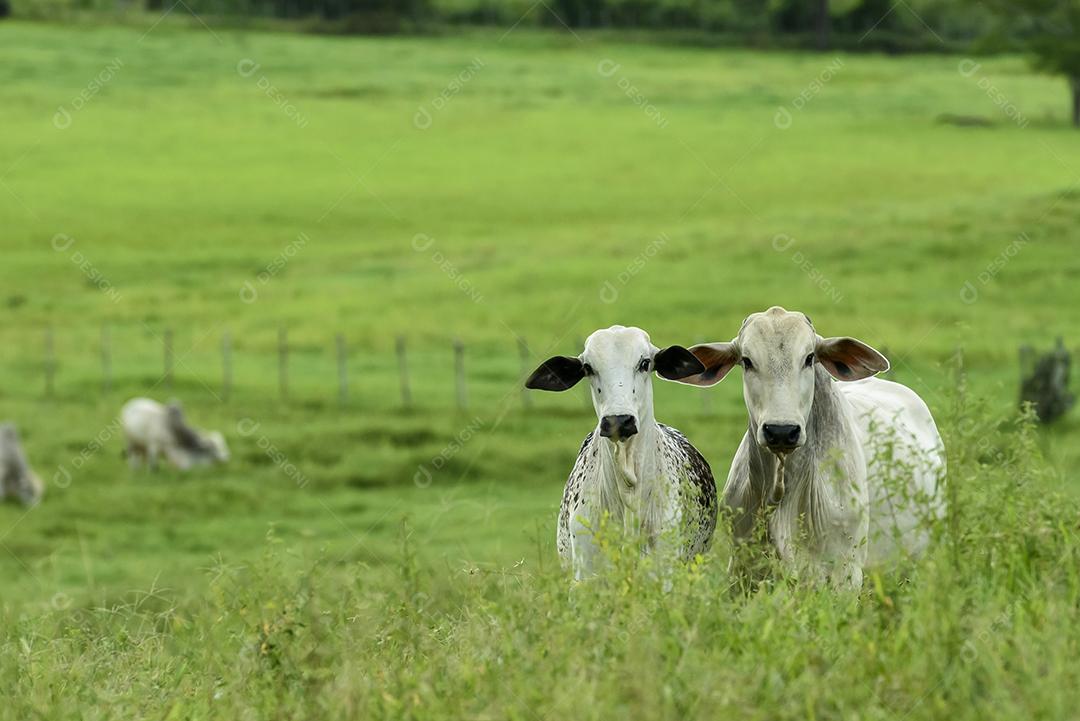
{"x":643,"y":366}
{"x":747,"y":364}
{"x":588,"y":369}
{"x":809,"y":361}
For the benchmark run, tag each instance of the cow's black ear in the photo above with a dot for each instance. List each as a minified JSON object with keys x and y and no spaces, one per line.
{"x":556,"y":374}
{"x":675,"y":362}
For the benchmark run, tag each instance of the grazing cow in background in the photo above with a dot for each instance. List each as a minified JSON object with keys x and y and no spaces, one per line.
{"x":17,"y":479}
{"x":153,"y":429}
{"x":646,"y":476}
{"x":849,"y":473}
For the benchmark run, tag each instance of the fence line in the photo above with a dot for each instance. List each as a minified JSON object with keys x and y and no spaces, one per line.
{"x":339,"y":352}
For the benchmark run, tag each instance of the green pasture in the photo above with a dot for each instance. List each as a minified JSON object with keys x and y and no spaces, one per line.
{"x":488,"y":187}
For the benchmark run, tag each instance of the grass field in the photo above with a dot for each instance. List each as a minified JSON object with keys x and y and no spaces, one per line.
{"x":485,"y":187}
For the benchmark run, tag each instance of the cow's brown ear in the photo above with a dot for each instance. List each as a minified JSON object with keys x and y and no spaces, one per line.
{"x":848,"y":359}
{"x":718,"y":359}
{"x":558,"y":373}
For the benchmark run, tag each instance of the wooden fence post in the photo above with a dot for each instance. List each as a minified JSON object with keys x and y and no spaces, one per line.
{"x":168,"y":353}
{"x":342,"y":370}
{"x":283,"y":362}
{"x":106,"y":359}
{"x":523,"y":352}
{"x":403,"y":367}
{"x":50,"y":362}
{"x":459,"y":374}
{"x":226,"y":365}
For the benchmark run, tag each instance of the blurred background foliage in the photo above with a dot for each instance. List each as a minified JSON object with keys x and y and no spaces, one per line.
{"x":896,"y":27}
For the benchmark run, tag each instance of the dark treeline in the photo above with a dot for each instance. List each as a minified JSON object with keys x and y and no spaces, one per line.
{"x":910,"y":25}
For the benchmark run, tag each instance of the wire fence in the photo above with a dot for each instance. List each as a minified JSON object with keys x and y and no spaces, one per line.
{"x":292,"y":366}
{"x":271,"y":365}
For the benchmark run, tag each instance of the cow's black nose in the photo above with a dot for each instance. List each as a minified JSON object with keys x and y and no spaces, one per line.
{"x":618,"y":427}
{"x":781,"y":436}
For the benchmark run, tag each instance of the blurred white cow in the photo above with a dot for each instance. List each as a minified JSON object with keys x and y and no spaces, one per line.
{"x":153,"y":430}
{"x":17,"y":479}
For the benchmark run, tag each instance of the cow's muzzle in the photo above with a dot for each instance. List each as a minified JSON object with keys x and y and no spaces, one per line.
{"x":618,"y":428}
{"x":781,"y":437}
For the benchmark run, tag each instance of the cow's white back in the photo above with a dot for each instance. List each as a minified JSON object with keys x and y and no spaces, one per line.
{"x":905,"y":465}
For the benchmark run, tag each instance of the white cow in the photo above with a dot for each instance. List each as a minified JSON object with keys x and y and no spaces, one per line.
{"x":644,"y":475}
{"x":153,"y":430}
{"x":848,"y":474}
{"x":17,"y":479}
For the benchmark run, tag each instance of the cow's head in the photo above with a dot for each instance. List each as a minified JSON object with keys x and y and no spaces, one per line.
{"x":219,"y":450}
{"x":618,"y":363}
{"x":778,"y":351}
{"x":8,"y":434}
